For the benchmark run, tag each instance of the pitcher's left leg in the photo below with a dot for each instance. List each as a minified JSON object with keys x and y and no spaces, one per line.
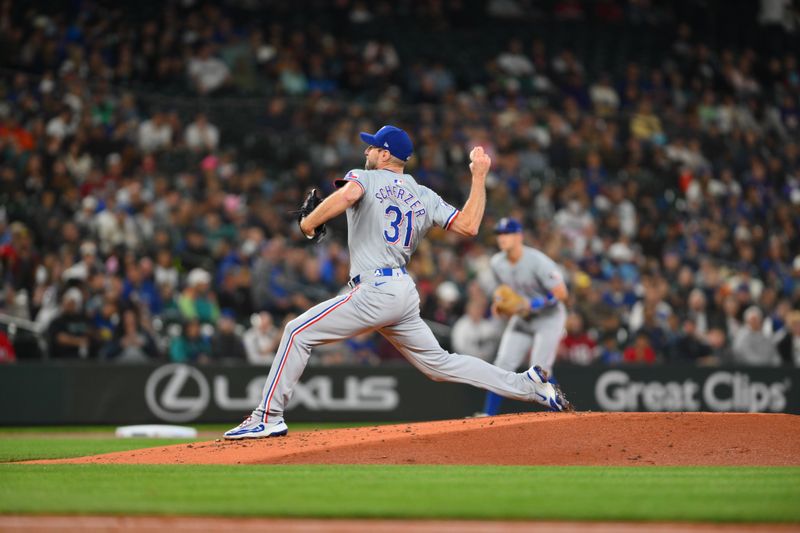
{"x":335,"y":319}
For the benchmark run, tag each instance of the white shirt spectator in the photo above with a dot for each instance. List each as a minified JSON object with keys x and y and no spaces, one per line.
{"x":514,"y":62}
{"x":60,"y":126}
{"x":207,"y":72}
{"x":575,"y":223}
{"x":114,"y":228}
{"x":261,"y":340}
{"x":604,"y":97}
{"x":475,"y":335}
{"x":166,"y":276}
{"x":201,"y":135}
{"x":154,"y":134}
{"x":751,"y":346}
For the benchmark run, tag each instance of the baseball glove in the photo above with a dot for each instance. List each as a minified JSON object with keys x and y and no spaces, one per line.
{"x":508,"y":302}
{"x":309,"y":204}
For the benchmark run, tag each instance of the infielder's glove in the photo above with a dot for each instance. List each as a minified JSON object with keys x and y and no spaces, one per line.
{"x":508,"y":302}
{"x":309,"y":204}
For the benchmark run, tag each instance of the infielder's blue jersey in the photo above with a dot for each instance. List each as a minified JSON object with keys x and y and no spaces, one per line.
{"x":387,"y":223}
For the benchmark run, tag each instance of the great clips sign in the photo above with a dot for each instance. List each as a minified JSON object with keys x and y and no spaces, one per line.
{"x":668,"y":389}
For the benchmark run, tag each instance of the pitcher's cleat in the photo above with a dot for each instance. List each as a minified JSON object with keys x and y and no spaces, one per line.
{"x":547,"y":393}
{"x":254,"y":428}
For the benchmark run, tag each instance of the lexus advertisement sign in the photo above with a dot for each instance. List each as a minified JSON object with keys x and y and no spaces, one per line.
{"x":176,"y":393}
{"x":181,"y":393}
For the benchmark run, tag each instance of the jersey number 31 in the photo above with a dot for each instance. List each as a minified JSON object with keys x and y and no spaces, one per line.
{"x":396,"y":226}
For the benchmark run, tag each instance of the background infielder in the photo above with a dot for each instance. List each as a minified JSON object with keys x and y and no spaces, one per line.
{"x":531,"y":291}
{"x":387,"y":215}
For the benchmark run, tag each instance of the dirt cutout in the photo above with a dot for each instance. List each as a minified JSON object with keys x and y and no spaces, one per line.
{"x":524,"y":439}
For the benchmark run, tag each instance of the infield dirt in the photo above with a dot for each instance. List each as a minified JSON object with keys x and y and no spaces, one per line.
{"x":587,"y":438}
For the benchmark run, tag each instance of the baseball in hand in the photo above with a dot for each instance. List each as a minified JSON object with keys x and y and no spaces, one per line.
{"x":480,"y":161}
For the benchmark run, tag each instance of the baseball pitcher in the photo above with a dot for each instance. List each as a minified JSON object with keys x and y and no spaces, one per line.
{"x":388,"y":213}
{"x":531,"y":291}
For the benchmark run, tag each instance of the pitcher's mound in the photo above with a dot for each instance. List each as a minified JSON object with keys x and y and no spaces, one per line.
{"x":525,"y":439}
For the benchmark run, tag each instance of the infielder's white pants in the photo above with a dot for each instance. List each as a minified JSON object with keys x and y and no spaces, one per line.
{"x":390,"y":305}
{"x":532,"y":342}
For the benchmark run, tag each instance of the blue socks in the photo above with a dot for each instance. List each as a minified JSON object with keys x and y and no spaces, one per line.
{"x":492,"y":405}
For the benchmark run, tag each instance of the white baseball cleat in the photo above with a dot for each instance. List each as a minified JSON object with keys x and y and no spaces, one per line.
{"x":254,"y":428}
{"x":545,"y":392}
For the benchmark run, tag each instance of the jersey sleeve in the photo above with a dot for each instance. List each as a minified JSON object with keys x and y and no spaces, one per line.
{"x":548,"y":273}
{"x":356,"y":175}
{"x":442,"y":213}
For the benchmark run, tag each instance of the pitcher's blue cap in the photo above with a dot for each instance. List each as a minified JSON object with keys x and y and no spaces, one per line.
{"x":507,"y":225}
{"x":393,"y":139}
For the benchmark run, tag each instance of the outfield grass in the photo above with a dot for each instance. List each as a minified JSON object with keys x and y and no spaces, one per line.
{"x":716,"y":494}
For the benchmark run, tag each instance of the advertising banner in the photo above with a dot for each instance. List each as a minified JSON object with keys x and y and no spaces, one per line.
{"x":32,"y":394}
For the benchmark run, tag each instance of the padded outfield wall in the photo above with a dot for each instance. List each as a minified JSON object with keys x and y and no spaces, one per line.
{"x":33,"y":394}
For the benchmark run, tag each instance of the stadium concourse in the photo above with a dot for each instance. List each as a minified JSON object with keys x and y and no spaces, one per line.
{"x":149,"y":158}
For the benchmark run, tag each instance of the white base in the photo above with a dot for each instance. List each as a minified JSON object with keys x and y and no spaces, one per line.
{"x":160,"y":431}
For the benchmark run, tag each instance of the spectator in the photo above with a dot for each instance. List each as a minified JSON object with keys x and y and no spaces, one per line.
{"x":362,"y":350}
{"x":689,"y":347}
{"x":645,"y":125}
{"x":604,"y":98}
{"x":640,"y":164}
{"x":165,"y":272}
{"x":474,"y":334}
{"x":87,"y":265}
{"x":197,"y":301}
{"x":577,"y":347}
{"x":191,"y":346}
{"x":140,"y":291}
{"x":226,"y":344}
{"x":609,"y":352}
{"x":750,"y":346}
{"x":207,"y":73}
{"x":789,"y":345}
{"x":105,"y":326}
{"x":514,"y":62}
{"x":201,"y":135}
{"x":62,"y":125}
{"x":640,"y":351}
{"x":261,"y":340}
{"x":155,"y":133}
{"x":443,"y":308}
{"x":7,"y":352}
{"x":133,"y":343}
{"x":69,"y":331}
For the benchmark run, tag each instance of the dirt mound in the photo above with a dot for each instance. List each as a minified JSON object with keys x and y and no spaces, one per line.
{"x":525,"y":439}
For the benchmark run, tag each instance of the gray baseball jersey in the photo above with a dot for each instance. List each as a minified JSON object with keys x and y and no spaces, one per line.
{"x":534,"y":274}
{"x":384,"y":228}
{"x":533,"y":341}
{"x":403,"y":210}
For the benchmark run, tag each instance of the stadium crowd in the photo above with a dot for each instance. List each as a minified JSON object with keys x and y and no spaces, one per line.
{"x":149,"y":165}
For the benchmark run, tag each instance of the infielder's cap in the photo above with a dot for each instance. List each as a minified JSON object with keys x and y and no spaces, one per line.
{"x":393,"y":139}
{"x":507,"y":225}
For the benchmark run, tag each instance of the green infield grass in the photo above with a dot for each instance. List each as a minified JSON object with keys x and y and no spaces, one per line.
{"x":716,"y":494}
{"x":727,"y":494}
{"x":48,"y":442}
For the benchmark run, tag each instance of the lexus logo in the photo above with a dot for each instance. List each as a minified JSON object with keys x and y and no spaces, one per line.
{"x":168,"y":398}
